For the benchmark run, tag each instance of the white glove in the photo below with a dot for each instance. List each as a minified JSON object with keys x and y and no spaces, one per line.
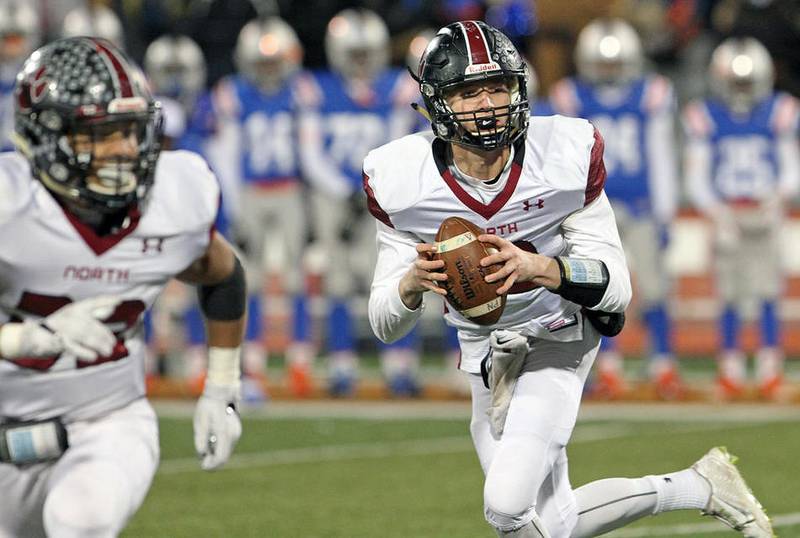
{"x":81,"y":330}
{"x":28,"y":339}
{"x":217,"y":427}
{"x":509,"y":349}
{"x":73,"y":327}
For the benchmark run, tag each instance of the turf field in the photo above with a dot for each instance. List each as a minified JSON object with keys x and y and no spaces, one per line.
{"x":407,"y":469}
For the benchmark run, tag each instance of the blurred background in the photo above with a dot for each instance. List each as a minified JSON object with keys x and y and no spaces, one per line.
{"x":284,"y":99}
{"x":347,"y":437}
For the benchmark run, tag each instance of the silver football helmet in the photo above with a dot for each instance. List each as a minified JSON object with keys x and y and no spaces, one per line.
{"x":268,"y":52}
{"x":357,"y":44}
{"x":20,"y":34}
{"x":741,"y":73}
{"x":176,"y":68}
{"x":96,"y":21}
{"x":609,"y":51}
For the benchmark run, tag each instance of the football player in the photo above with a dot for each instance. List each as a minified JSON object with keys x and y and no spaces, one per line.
{"x":94,"y":222}
{"x":358,"y":105}
{"x":742,"y":166}
{"x":635,"y":112}
{"x":19,"y":35}
{"x":255,"y":152}
{"x":94,"y":20}
{"x":536,"y":184}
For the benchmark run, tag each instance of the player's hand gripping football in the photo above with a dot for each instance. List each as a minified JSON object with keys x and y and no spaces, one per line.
{"x":519,"y":265}
{"x":76,"y":328}
{"x":217,"y":426}
{"x":422,"y":276}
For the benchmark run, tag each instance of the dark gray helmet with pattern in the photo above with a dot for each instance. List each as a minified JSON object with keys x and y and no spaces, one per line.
{"x":464,"y":52}
{"x":86,"y":85}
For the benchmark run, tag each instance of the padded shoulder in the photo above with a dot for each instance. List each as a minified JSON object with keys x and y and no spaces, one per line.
{"x":185,"y":195}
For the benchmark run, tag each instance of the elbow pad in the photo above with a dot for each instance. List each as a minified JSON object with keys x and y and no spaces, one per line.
{"x":583,"y":281}
{"x":225,"y":300}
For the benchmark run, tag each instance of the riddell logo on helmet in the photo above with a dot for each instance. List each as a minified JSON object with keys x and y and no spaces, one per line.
{"x":481,"y":68}
{"x":127,"y":104}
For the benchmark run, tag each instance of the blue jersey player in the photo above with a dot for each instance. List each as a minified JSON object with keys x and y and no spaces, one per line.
{"x":635,"y":113}
{"x":359,"y":104}
{"x":255,"y":154}
{"x":742,"y":166}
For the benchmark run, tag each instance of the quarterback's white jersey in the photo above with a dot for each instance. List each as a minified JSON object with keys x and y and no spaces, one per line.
{"x":549,"y":198}
{"x":48,"y":259}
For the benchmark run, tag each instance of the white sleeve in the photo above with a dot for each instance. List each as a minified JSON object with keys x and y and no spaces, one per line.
{"x":224,"y":147}
{"x":789,"y":165}
{"x":389,"y":317}
{"x":661,"y":159}
{"x":321,"y":172}
{"x":591,"y":232}
{"x":697,"y":171}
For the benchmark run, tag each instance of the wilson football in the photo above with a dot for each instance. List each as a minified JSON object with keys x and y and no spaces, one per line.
{"x":467,"y":291}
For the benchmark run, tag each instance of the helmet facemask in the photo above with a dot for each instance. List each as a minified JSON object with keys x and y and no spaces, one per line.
{"x":485,"y":128}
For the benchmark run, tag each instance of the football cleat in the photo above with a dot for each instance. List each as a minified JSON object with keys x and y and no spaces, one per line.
{"x":669,"y":385}
{"x":731,"y":500}
{"x":770,"y":389}
{"x":404,"y":386}
{"x":299,"y":379}
{"x":729,"y":388}
{"x":342,"y":386}
{"x":608,"y":385}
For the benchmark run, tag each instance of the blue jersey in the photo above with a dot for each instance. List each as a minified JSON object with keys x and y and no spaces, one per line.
{"x":636,"y":124}
{"x":341,"y":122}
{"x":747,"y":157}
{"x":262,"y":129}
{"x":6,"y":115}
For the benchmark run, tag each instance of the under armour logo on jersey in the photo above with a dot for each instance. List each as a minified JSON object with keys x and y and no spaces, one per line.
{"x":527,"y":205}
{"x":152,"y":243}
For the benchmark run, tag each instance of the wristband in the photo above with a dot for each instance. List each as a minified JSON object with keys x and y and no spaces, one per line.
{"x":224,"y":366}
{"x":583,"y":281}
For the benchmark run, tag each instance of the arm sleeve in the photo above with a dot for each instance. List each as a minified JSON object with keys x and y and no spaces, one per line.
{"x":591,"y":232}
{"x":697,"y":161}
{"x":318,"y":168}
{"x":224,"y":148}
{"x":661,"y":158}
{"x":389,"y":317}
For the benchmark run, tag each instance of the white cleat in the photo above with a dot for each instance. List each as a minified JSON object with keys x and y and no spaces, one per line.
{"x":731,"y":501}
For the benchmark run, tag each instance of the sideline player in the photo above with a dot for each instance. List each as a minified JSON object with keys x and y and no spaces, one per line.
{"x":94,"y":223}
{"x":742,"y":167}
{"x":539,"y":183}
{"x":635,"y":112}
{"x":360,"y":104}
{"x":19,"y":35}
{"x":255,"y":152}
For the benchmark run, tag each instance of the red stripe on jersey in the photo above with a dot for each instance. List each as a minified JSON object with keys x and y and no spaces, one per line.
{"x":784,"y":115}
{"x":373,"y":205}
{"x":479,"y":51}
{"x":101,"y":243}
{"x":120,"y":72}
{"x":485,"y":211}
{"x":656,"y":93}
{"x":596,"y":179}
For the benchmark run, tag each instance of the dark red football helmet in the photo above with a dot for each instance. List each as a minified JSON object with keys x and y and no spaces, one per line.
{"x":86,"y":85}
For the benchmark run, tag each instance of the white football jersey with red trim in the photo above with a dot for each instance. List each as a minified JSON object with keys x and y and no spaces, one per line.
{"x":555,"y":171}
{"x":48,"y":259}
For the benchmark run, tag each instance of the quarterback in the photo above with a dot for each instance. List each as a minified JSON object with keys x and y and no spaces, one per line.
{"x":94,"y":221}
{"x":535,"y":184}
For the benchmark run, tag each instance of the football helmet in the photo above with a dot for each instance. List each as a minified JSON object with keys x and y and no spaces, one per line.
{"x":96,"y":21}
{"x":609,"y":51}
{"x":268,"y":52}
{"x":357,"y":44}
{"x":176,"y":68}
{"x":741,"y":72}
{"x":464,"y":52}
{"x":71,"y":94}
{"x":19,"y":35}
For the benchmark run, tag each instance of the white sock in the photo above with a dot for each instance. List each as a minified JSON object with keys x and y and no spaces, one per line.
{"x":604,"y":505}
{"x":680,"y":490}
